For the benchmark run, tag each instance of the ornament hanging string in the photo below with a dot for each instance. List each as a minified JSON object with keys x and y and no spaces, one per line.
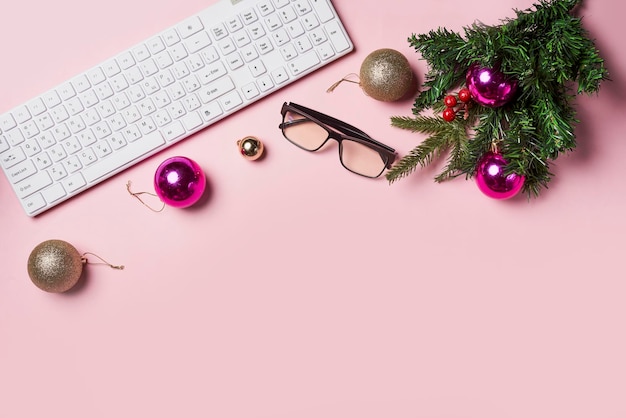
{"x":103,"y":261}
{"x":137,"y":195}
{"x":494,"y":145}
{"x":334,"y":86}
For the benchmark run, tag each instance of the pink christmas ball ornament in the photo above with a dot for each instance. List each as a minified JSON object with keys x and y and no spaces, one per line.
{"x":489,"y":87}
{"x":179,"y":182}
{"x":492,"y":180}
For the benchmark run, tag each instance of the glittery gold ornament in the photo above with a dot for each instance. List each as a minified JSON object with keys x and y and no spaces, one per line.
{"x":385,"y":75}
{"x":56,"y":266}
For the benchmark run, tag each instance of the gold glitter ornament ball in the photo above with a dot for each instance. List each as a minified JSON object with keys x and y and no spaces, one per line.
{"x":55,"y":266}
{"x":386,"y":75}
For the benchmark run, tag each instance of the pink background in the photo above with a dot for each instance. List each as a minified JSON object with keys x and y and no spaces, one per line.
{"x":300,"y":290}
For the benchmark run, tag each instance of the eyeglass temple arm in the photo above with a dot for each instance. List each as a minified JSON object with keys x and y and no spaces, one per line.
{"x":329,"y":120}
{"x":339,"y":125}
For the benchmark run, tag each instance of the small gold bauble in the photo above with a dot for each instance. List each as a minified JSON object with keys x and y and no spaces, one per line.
{"x":386,"y":75}
{"x":55,"y":266}
{"x":251,"y":148}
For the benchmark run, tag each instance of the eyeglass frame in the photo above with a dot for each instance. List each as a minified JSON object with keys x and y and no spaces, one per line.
{"x":339,"y":131}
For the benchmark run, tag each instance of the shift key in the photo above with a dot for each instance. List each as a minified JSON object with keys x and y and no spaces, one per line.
{"x":32,"y":184}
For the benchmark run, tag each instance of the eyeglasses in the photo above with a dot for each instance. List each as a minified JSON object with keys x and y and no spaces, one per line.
{"x":358,"y":152}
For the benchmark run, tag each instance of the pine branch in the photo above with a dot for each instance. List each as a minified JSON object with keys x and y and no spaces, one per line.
{"x":547,"y":50}
{"x":444,"y":136}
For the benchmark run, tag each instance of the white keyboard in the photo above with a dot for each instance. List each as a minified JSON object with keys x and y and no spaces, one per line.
{"x":156,"y":93}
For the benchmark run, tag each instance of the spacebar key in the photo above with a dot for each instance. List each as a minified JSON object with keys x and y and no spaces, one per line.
{"x":123,"y":157}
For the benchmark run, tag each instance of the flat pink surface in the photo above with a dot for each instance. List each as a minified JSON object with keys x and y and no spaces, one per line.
{"x":300,"y":290}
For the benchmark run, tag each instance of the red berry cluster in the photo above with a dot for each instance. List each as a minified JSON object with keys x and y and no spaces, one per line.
{"x":449,"y":114}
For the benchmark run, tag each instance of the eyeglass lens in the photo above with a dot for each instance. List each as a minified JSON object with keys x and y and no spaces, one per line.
{"x":354,"y":156}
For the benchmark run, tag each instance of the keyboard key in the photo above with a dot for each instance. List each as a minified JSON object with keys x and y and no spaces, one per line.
{"x":219,"y":31}
{"x":74,"y":106}
{"x":326,"y":51}
{"x":287,"y":14}
{"x":59,"y":114}
{"x":280,"y":3}
{"x":189,"y":27}
{"x":51,"y":99}
{"x":216,"y":89}
{"x":340,"y":43}
{"x":34,"y":203}
{"x":87,"y":157}
{"x":302,"y":7}
{"x":89,"y":98}
{"x":14,"y":137}
{"x":126,"y":60}
{"x":279,"y":75}
{"x":54,"y":193}
{"x":250,"y":91}
{"x":111,"y":68}
{"x":173,"y":131}
{"x":36,"y":106}
{"x":273,"y":22}
{"x":178,"y":52}
{"x":96,"y":76}
{"x":81,"y":83}
{"x":198,"y":41}
{"x":7,"y":122}
{"x":74,"y":182}
{"x":163,"y":60}
{"x":211,"y":111}
{"x":42,"y":161}
{"x":234,"y":61}
{"x":323,"y":10}
{"x":21,"y":114}
{"x":140,"y":52}
{"x":265,"y":83}
{"x":310,"y":22}
{"x":155,"y":45}
{"x":31,"y":148}
{"x":249,"y":16}
{"x":30,"y":129}
{"x":256,"y":30}
{"x":303,"y":44}
{"x":117,"y":141}
{"x":170,"y":37}
{"x":191,"y":121}
{"x":15,"y":156}
{"x":21,"y":171}
{"x":265,"y":7}
{"x":33,"y":184}
{"x":234,"y":24}
{"x":66,"y":92}
{"x":57,"y":172}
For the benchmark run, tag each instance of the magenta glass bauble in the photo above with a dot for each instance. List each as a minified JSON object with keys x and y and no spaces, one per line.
{"x":489,"y":87}
{"x":492,"y":180}
{"x":179,"y":182}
